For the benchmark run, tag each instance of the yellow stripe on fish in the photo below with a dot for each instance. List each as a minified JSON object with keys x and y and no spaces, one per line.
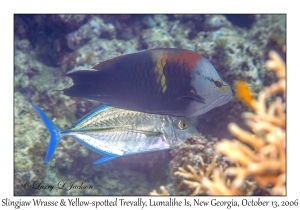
{"x":159,"y":73}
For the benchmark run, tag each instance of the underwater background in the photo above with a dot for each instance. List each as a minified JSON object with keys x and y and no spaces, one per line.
{"x":47,"y":46}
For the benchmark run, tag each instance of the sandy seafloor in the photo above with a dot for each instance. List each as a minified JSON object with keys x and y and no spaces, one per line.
{"x":47,"y":46}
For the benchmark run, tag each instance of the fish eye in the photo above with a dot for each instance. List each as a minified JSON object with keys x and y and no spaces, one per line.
{"x":182,"y":125}
{"x":218,"y":83}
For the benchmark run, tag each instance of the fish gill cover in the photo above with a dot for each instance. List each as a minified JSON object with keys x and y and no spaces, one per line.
{"x":48,"y":46}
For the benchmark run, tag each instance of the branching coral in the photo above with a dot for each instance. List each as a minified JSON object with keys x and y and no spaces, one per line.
{"x":164,"y":191}
{"x":262,"y":153}
{"x":194,"y":179}
{"x":212,"y":180}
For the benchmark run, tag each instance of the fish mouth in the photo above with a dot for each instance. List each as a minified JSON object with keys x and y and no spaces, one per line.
{"x":224,"y":99}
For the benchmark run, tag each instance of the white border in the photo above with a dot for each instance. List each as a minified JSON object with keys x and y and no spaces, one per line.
{"x":8,"y":8}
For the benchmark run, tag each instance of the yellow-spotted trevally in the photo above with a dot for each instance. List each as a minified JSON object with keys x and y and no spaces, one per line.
{"x":167,"y":81}
{"x":114,"y":132}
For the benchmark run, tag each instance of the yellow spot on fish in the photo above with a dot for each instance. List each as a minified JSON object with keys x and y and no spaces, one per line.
{"x":159,"y":73}
{"x":225,"y":89}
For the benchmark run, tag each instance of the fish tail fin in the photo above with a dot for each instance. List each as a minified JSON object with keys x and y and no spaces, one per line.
{"x":55,"y":134}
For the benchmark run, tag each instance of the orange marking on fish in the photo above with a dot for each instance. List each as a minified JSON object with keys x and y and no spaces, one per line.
{"x":187,"y":56}
{"x":162,"y":56}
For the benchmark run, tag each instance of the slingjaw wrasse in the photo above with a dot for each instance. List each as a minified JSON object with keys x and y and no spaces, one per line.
{"x":169,"y":81}
{"x":114,"y":132}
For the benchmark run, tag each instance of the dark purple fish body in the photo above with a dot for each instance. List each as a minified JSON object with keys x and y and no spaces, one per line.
{"x":160,"y":81}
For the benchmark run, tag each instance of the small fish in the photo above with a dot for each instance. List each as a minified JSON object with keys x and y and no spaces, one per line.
{"x":114,"y":132}
{"x":164,"y":81}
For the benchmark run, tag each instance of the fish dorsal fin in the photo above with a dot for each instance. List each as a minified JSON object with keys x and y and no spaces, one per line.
{"x":192,"y":96}
{"x":123,"y":60}
{"x":91,"y":114}
{"x":108,"y":64}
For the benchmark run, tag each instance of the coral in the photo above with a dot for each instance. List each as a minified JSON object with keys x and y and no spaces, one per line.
{"x":156,"y":37}
{"x":46,"y":34}
{"x":204,"y":182}
{"x":214,"y":22}
{"x":210,"y":179}
{"x":127,"y":26}
{"x":23,"y":45}
{"x":220,"y":184}
{"x":195,"y":152}
{"x":94,"y":52}
{"x":164,"y":191}
{"x":262,"y":153}
{"x":275,"y":24}
{"x":66,"y":22}
{"x":193,"y":179}
{"x":94,"y":28}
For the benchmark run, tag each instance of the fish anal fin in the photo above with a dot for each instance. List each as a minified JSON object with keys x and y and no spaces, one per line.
{"x":106,"y":157}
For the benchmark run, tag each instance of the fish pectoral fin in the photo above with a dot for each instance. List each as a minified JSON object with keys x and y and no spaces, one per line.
{"x":193,"y":96}
{"x":105,"y":158}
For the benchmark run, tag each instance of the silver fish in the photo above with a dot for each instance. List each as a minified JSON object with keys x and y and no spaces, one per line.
{"x":115,"y":132}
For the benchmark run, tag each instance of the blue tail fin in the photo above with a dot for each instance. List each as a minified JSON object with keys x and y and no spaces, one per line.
{"x":55,"y":134}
